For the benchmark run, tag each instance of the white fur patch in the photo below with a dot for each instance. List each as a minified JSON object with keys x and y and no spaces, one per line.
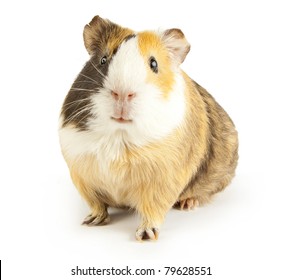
{"x":153,"y":117}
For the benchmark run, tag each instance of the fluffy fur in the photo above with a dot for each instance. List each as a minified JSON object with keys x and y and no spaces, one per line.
{"x":139,"y":139}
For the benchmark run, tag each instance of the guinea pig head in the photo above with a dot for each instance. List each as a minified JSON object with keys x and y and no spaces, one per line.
{"x":132,"y":80}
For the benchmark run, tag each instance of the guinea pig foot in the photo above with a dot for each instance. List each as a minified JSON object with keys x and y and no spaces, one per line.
{"x":187,"y":204}
{"x":95,"y":220}
{"x":147,"y":234}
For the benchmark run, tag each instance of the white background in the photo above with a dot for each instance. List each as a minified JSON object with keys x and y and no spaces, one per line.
{"x":235,"y":54}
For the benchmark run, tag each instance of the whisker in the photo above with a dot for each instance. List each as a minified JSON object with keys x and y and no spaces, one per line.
{"x":84,"y":81}
{"x":97,"y":70}
{"x":82,"y":89}
{"x":91,"y":81}
{"x":76,"y":107}
{"x":82,"y":119}
{"x":87,"y":77}
{"x":81,"y":111}
{"x":76,"y":101}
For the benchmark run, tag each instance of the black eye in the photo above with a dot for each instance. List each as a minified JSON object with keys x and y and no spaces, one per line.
{"x":153,"y":64}
{"x":103,"y":60}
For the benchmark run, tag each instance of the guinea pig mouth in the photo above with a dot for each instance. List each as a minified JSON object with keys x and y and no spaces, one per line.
{"x":121,"y":120}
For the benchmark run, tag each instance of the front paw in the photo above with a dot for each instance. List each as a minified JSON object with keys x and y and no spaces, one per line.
{"x":147,"y":233}
{"x":96,"y":219}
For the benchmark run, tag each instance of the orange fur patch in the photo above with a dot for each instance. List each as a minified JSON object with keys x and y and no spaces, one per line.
{"x":150,"y":45}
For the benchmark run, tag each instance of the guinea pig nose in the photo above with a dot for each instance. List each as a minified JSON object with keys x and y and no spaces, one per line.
{"x":128,"y":96}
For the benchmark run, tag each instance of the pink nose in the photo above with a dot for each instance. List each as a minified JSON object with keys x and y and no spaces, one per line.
{"x":128,"y":96}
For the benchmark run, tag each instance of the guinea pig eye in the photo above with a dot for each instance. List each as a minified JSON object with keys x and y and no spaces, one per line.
{"x":103,"y":60}
{"x":153,"y":64}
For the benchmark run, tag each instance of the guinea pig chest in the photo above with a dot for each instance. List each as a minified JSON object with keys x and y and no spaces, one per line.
{"x":136,"y":131}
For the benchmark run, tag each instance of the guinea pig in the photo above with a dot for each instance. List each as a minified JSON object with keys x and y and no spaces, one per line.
{"x":137,"y":132}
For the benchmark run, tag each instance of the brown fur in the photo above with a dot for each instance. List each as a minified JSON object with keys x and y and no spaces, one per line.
{"x":104,"y":34}
{"x":191,"y":164}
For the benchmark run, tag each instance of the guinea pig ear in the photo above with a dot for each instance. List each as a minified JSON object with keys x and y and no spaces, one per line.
{"x":92,"y":32}
{"x":176,"y":44}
